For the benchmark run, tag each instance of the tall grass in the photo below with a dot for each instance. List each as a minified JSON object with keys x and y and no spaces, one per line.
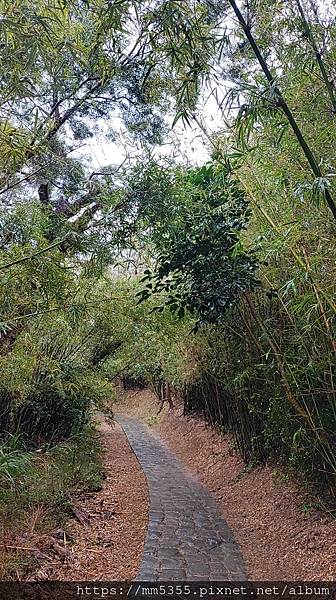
{"x":47,"y":479}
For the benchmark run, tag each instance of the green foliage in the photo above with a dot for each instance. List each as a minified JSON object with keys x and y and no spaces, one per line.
{"x":152,"y":421}
{"x":196,"y":219}
{"x":271,"y":365}
{"x":13,"y":465}
{"x":152,"y":346}
{"x":265,"y":372}
{"x":243,"y":246}
{"x":46,"y":482}
{"x":67,"y":66}
{"x":49,"y":346}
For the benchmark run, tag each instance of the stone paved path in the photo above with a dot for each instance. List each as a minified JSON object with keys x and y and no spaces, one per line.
{"x":187,"y":538}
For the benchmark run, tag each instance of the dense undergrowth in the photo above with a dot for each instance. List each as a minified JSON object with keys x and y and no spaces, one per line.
{"x":38,"y":490}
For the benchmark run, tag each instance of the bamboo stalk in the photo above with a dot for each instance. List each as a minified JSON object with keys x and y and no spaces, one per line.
{"x":281,"y":366}
{"x":309,"y":35}
{"x":31,"y":256}
{"x":255,"y":203}
{"x":283,"y":104}
{"x":321,"y":307}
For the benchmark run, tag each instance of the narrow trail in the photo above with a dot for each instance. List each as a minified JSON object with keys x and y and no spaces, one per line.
{"x":187,"y":538}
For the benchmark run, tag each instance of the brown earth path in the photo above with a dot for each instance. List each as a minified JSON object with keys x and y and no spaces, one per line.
{"x":110,"y":547}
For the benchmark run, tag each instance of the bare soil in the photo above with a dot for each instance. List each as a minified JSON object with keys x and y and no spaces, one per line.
{"x":281,"y":536}
{"x":104,"y":540}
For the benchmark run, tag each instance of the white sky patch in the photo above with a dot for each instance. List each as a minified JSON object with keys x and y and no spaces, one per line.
{"x":185,"y":144}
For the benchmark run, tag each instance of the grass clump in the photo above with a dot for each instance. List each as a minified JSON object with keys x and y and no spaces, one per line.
{"x":49,"y":478}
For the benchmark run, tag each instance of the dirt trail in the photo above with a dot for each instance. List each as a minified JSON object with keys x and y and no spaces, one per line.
{"x":111,"y":547}
{"x":105,"y":541}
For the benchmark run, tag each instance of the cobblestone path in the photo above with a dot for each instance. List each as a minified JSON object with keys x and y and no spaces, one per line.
{"x":187,"y":539}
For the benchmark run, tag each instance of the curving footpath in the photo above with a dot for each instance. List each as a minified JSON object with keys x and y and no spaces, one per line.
{"x":187,"y":539}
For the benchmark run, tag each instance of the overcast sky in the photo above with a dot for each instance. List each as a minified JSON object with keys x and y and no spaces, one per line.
{"x":183,"y":142}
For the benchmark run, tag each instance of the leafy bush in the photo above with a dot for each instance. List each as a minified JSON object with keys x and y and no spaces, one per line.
{"x":50,"y":348}
{"x":202,"y":265}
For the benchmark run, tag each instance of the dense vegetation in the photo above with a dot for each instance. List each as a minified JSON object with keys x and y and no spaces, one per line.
{"x":215,"y":282}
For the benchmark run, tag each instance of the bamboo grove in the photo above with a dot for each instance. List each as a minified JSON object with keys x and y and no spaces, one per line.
{"x":214,"y":283}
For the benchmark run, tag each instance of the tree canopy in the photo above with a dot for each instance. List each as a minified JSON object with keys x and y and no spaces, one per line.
{"x":217,"y":279}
